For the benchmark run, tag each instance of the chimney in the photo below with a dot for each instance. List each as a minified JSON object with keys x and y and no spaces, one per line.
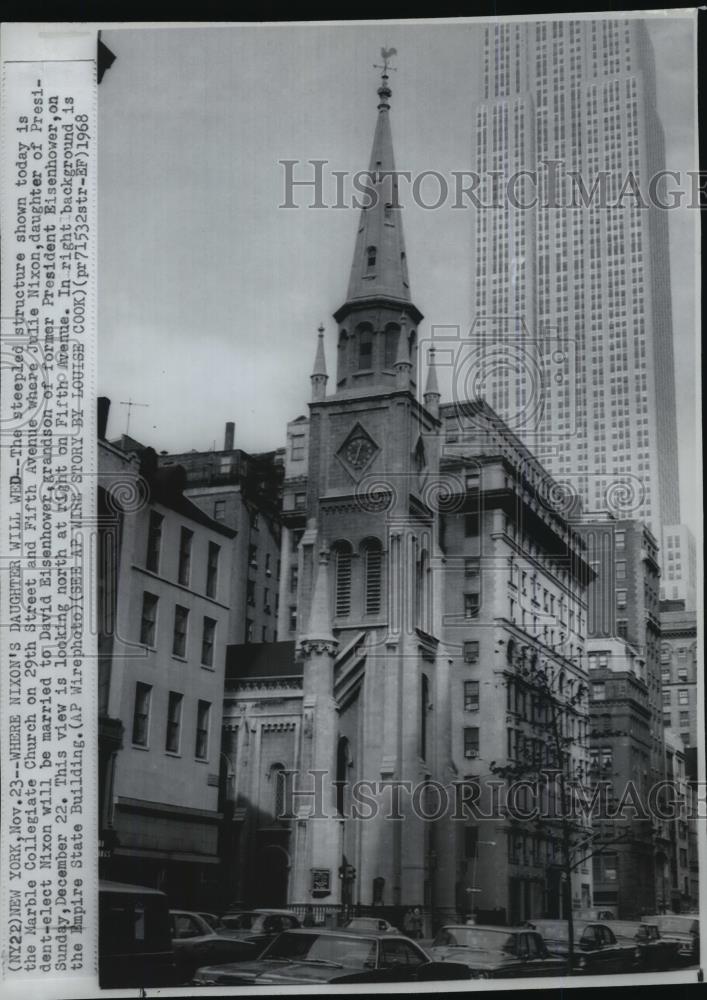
{"x":103,"y":410}
{"x":230,"y":434}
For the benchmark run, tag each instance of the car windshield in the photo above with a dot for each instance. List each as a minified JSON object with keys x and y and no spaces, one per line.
{"x":354,"y":953}
{"x":473,"y":937}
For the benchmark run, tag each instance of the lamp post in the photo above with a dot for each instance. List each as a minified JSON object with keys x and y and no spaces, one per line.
{"x":479,"y":843}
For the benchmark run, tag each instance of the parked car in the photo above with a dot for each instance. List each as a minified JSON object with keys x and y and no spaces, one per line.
{"x":314,"y":957}
{"x":211,"y":919}
{"x":258,"y":927}
{"x":196,"y":942}
{"x":656,"y":952}
{"x":682,"y":928}
{"x":596,"y":913}
{"x":496,"y":952}
{"x":596,"y":950}
{"x":368,"y":924}
{"x":134,"y":940}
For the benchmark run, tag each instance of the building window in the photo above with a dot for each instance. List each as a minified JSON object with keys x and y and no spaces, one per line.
{"x":202,"y":730}
{"x":212,"y":569}
{"x":365,"y":349}
{"x":685,"y":737}
{"x":683,"y":696}
{"x":293,"y":618}
{"x":342,"y":581}
{"x":179,"y":641}
{"x":622,"y":628}
{"x":278,"y":778}
{"x":253,"y":556}
{"x":471,"y":696}
{"x":598,"y":692}
{"x":392,"y":336}
{"x":250,"y":593}
{"x":471,"y":651}
{"x":473,"y":480}
{"x":148,"y":622}
{"x":219,"y":510}
{"x":185,"y":540}
{"x":471,"y":604}
{"x":141,"y":714}
{"x":621,"y":570}
{"x":300,"y":501}
{"x":154,"y":541}
{"x":620,"y":539}
{"x":666,"y":697}
{"x":620,"y":599}
{"x":249,"y":630}
{"x":297,"y":447}
{"x":207,"y":642}
{"x":370,"y":257}
{"x":471,"y":741}
{"x":682,"y":675}
{"x":684,"y":718}
{"x":374,"y":573}
{"x":424,"y":709}
{"x":294,"y":576}
{"x":174,"y":720}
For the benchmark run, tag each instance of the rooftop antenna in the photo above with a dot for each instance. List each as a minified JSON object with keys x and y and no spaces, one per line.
{"x":129,"y":403}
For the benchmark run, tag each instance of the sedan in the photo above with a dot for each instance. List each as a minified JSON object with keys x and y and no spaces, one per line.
{"x":257,"y":927}
{"x":194,"y":942}
{"x":596,"y":950}
{"x":683,"y":929}
{"x":496,"y":952}
{"x":656,"y":952}
{"x":368,"y":924}
{"x":318,"y":957}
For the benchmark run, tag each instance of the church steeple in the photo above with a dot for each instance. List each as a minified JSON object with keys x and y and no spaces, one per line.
{"x":378,"y":284}
{"x":319,"y":377}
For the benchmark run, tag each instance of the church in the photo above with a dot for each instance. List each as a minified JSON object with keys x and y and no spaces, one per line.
{"x":424,"y":562}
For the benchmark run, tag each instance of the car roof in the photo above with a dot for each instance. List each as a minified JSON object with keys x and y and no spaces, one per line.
{"x":258,"y":910}
{"x":345,"y":932}
{"x":105,"y":886}
{"x":484,"y":927}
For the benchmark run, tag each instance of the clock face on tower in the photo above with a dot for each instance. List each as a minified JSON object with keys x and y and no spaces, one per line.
{"x":358,"y":450}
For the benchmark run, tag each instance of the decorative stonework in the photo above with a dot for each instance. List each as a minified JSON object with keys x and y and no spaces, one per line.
{"x":323,"y":647}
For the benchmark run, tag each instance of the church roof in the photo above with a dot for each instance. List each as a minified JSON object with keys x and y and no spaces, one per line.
{"x":262,"y":659}
{"x":379,"y":267}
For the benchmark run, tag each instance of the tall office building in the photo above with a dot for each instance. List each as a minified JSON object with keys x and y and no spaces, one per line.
{"x":573,"y":304}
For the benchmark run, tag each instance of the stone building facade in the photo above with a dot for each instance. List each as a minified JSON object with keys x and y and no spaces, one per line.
{"x":163,"y":580}
{"x":678,"y":666}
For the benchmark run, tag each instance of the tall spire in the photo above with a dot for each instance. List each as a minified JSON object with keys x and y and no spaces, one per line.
{"x":319,"y":628}
{"x":319,"y":376}
{"x":379,"y":266}
{"x":432,"y":393}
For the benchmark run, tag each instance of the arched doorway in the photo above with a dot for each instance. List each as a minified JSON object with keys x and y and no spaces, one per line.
{"x":273,"y":868}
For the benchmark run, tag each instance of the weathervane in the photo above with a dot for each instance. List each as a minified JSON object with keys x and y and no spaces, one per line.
{"x":386,"y":54}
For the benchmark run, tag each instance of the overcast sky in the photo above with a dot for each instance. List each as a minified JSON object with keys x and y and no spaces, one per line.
{"x":210,"y":294}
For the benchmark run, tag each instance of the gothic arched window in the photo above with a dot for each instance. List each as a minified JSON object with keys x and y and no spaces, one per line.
{"x":373,"y":575}
{"x":392,"y":335}
{"x":342,"y":579}
{"x":365,"y":347}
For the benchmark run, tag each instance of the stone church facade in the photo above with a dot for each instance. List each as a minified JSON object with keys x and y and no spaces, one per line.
{"x":423,"y":564}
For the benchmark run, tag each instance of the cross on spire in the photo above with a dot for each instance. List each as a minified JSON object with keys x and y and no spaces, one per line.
{"x":386,"y":54}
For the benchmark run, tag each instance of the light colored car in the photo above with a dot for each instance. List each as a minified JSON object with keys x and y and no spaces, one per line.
{"x":367,"y":924}
{"x":493,"y":952}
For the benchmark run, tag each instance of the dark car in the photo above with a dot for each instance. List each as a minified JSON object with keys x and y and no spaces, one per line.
{"x":258,"y":927}
{"x":317,"y":957}
{"x":656,"y":952}
{"x":496,"y":952}
{"x":596,"y":950}
{"x":134,"y":940}
{"x":683,"y":929}
{"x":195,"y":943}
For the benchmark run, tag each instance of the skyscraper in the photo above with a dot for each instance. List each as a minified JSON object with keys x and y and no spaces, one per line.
{"x":572,"y":302}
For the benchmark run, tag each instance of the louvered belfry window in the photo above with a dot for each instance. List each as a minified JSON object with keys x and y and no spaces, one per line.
{"x":374,"y":568}
{"x":342,"y":598}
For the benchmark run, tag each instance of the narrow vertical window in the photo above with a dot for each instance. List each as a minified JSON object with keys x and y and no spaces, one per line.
{"x":424,"y":708}
{"x":365,"y":349}
{"x":141,"y":714}
{"x":373,"y":570}
{"x":342,"y":569}
{"x":148,"y":621}
{"x":185,"y":541}
{"x":202,"y":730}
{"x":154,"y":542}
{"x":370,"y":257}
{"x":179,"y":639}
{"x":207,"y":642}
{"x":212,"y":569}
{"x":174,"y":721}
